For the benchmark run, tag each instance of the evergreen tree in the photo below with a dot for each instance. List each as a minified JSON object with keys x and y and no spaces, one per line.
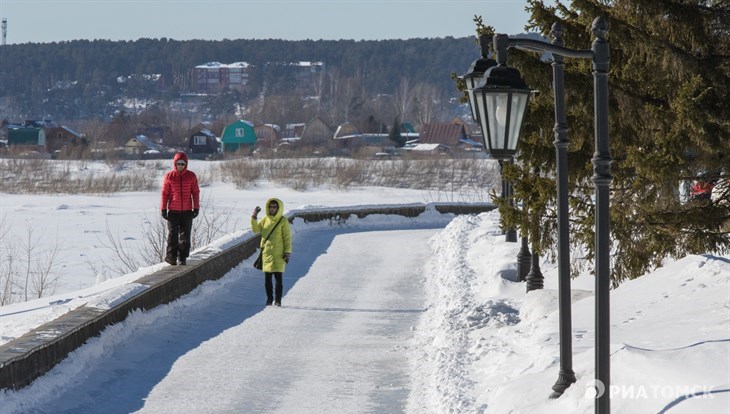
{"x":395,"y":136}
{"x":669,"y":124}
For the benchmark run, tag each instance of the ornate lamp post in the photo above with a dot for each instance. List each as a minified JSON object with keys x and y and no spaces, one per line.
{"x":475,"y":79}
{"x":499,"y":105}
{"x":600,"y":55}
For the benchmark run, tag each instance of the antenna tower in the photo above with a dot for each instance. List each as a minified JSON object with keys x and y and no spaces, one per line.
{"x":5,"y":30}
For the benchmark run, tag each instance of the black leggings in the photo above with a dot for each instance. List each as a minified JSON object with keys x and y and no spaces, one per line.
{"x":269,"y":287}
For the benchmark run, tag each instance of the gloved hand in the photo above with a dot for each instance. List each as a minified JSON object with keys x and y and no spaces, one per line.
{"x":164,"y":214}
{"x":195,"y":212}
{"x":286,"y":257}
{"x":256,"y":212}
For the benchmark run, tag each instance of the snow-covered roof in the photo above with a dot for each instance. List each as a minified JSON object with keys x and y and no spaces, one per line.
{"x":211,"y":65}
{"x":427,"y":147}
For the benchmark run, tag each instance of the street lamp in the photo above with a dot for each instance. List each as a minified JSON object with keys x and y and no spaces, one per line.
{"x":500,"y":105}
{"x":474,"y":79}
{"x":600,"y":55}
{"x":475,"y":76}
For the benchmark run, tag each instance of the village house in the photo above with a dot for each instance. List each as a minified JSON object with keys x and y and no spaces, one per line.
{"x":451,"y":135}
{"x":267,"y":135}
{"x":238,"y":136}
{"x":203,"y":141}
{"x":142,"y":145}
{"x":316,"y":131}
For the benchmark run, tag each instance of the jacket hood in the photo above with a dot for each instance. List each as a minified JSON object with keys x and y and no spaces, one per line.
{"x":279,"y":212}
{"x":180,"y":156}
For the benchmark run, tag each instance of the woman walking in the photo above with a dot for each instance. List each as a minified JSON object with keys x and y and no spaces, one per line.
{"x":275,"y":246}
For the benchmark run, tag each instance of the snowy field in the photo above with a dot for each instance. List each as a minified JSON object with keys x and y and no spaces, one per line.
{"x":427,"y":294}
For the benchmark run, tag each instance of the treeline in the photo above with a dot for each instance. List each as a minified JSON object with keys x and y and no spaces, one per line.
{"x":77,"y":79}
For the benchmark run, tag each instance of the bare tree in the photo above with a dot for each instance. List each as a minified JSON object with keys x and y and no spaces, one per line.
{"x":45,"y":278}
{"x":211,"y":224}
{"x":28,"y":247}
{"x":7,"y":273}
{"x":155,"y":241}
{"x":127,"y":261}
{"x":319,"y":90}
{"x":427,"y":101}
{"x":348,"y":96}
{"x":403,"y":98}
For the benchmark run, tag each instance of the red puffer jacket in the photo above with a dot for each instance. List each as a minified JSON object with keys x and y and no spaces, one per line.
{"x":180,"y":190}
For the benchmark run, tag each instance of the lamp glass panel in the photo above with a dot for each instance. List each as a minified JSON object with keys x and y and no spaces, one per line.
{"x":483,"y":119}
{"x":473,"y":82}
{"x":497,"y":110}
{"x":518,"y":107}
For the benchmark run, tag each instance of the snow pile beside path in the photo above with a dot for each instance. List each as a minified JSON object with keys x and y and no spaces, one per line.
{"x":440,"y":356}
{"x":484,"y":345}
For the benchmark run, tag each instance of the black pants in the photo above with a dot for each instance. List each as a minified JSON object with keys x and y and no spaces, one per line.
{"x":269,"y":287}
{"x":179,"y":227}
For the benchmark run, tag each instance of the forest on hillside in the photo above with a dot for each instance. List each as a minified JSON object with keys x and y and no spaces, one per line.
{"x":89,"y":79}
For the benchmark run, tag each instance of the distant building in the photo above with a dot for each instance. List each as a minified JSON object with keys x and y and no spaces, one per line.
{"x":292,"y":77}
{"x":213,"y":77}
{"x":238,"y":136}
{"x":316,"y":132}
{"x":292,"y":132}
{"x":141,"y":145}
{"x":452,"y":135}
{"x":346,"y":130}
{"x":267,"y":135}
{"x":45,"y":135}
{"x":59,"y":137}
{"x":203,"y":141}
{"x":27,"y":135}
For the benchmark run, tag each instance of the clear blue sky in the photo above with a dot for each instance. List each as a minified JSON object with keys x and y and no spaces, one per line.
{"x":59,"y":20}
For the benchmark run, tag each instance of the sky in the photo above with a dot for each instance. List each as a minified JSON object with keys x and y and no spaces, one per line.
{"x":44,"y":21}
{"x":367,"y":326}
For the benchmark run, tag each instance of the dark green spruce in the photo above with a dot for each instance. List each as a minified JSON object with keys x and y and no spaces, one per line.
{"x":669,"y":125}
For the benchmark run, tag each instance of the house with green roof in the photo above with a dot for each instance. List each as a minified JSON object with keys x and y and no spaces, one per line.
{"x":237,"y":136}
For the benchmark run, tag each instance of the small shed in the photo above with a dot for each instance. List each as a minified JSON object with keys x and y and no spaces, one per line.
{"x":139,"y":145}
{"x":316,"y":131}
{"x":203,"y":141}
{"x":237,"y":136}
{"x":267,"y":135}
{"x":293,"y":131}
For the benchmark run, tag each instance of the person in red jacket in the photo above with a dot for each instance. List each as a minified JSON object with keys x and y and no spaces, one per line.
{"x":180,"y":205}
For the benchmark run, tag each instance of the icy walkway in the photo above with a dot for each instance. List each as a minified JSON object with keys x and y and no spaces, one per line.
{"x":338,"y":345}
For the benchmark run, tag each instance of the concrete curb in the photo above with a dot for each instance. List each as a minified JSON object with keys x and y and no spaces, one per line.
{"x":26,"y":358}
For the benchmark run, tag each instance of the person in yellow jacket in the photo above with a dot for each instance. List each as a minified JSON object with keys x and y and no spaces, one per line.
{"x":275,"y":246}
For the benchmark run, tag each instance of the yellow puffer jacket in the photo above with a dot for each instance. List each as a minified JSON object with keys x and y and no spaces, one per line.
{"x":278,"y":243}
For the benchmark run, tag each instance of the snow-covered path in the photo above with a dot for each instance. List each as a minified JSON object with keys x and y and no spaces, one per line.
{"x":338,"y":345}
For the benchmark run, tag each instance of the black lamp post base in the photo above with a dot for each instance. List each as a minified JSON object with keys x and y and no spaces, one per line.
{"x":566,"y":378}
{"x":535,"y":279}
{"x":524,"y":259}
